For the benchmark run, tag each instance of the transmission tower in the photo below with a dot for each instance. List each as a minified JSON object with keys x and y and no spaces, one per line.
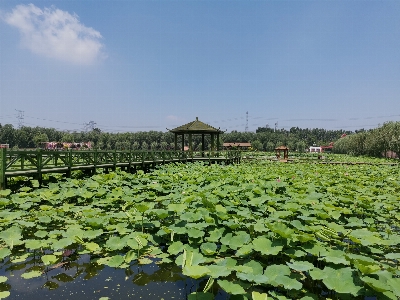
{"x":20,"y":118}
{"x":247,"y":122}
{"x":276,"y":125}
{"x":90,"y":126}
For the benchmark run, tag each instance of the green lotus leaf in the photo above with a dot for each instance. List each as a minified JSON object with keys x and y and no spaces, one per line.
{"x":240,"y":239}
{"x":364,"y":237}
{"x":175,"y":248}
{"x":317,"y":274}
{"x":395,"y":286}
{"x":4,"y":294}
{"x":341,"y":280}
{"x":226,"y":239}
{"x":301,"y":265}
{"x":116,"y":243}
{"x":195,"y":272}
{"x":130,"y":255}
{"x":49,"y":259}
{"x":191,"y":216}
{"x":5,"y":193}
{"x":92,"y":247}
{"x":195,"y":233}
{"x":208,"y":248}
{"x":92,"y":234}
{"x":3,"y":279}
{"x":231,"y":287}
{"x":266,"y":246}
{"x":317,"y":249}
{"x":62,"y":243}
{"x":259,"y":296}
{"x":161,"y":213}
{"x":395,"y":256}
{"x":20,"y":258}
{"x":200,"y":296}
{"x":178,"y":208}
{"x":367,"y":268}
{"x":216,"y":271}
{"x":115,"y":261}
{"x":144,"y":261}
{"x":245,"y":250}
{"x":40,"y":233}
{"x":227,"y":262}
{"x":287,"y":282}
{"x":377,"y":285}
{"x":281,"y":229}
{"x":336,"y":257}
{"x":35,"y":244}
{"x":193,"y":258}
{"x":4,"y":252}
{"x":273,"y":271}
{"x":12,"y":236}
{"x":260,"y":227}
{"x":243,"y":269}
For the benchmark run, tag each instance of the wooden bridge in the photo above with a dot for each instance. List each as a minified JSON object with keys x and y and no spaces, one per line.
{"x":34,"y":163}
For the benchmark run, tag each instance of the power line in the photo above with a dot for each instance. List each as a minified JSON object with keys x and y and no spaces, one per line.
{"x":20,"y":118}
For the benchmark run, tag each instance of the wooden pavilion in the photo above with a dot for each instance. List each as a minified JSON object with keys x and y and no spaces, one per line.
{"x":285,"y":150}
{"x":196,"y":127}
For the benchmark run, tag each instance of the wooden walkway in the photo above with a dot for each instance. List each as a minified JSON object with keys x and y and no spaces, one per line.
{"x":34,"y":163}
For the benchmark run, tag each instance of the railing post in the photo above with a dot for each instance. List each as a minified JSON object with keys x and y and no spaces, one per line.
{"x":3,"y":180}
{"x":39,"y":162}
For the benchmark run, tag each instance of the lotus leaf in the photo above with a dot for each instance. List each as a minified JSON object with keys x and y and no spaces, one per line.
{"x":175,"y":247}
{"x":49,"y":259}
{"x":4,"y":294}
{"x":341,"y":280}
{"x":300,"y":265}
{"x":12,"y":236}
{"x":4,"y":252}
{"x":208,"y":248}
{"x":116,"y":243}
{"x":231,"y":287}
{"x":216,"y":271}
{"x":259,"y":296}
{"x":266,"y":246}
{"x":195,"y":272}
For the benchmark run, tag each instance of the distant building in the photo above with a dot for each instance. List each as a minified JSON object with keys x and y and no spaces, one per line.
{"x":241,"y":146}
{"x":4,"y":146}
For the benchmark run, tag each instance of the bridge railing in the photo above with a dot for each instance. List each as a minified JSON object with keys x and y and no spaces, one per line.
{"x":27,"y":162}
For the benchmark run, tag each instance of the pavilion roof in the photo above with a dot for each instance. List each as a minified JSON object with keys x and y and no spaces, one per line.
{"x":196,"y":126}
{"x":282,"y":148}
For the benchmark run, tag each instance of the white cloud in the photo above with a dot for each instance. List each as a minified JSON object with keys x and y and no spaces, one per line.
{"x":57,"y":34}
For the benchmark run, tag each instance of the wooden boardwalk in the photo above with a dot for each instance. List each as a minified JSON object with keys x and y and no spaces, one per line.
{"x":34,"y":163}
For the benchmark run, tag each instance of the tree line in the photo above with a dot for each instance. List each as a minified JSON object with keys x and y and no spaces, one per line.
{"x":377,"y":142}
{"x":264,"y":139}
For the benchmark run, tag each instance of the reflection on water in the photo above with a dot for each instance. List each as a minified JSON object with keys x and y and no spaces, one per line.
{"x":82,"y":279}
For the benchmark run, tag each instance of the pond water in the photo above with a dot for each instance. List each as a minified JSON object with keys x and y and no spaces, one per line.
{"x":82,"y":279}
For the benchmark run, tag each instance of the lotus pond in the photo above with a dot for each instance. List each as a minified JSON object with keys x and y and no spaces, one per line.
{"x":256,"y":230}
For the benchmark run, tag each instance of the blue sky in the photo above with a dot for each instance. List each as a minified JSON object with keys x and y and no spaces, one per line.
{"x":152,"y":65}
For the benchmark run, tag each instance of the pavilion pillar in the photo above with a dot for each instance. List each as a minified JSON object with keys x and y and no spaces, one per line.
{"x":217,"y":141}
{"x":190,"y":143}
{"x":176,"y":141}
{"x":183,"y":142}
{"x":212,"y":142}
{"x":202,"y":145}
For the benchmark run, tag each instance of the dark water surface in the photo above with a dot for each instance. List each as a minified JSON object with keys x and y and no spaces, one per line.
{"x":81,"y":279}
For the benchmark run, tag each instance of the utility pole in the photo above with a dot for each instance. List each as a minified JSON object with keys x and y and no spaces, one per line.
{"x":276,"y":125}
{"x":247,"y":122}
{"x":20,"y":118}
{"x":90,"y":126}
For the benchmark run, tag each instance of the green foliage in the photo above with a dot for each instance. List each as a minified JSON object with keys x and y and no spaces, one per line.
{"x":263,"y":229}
